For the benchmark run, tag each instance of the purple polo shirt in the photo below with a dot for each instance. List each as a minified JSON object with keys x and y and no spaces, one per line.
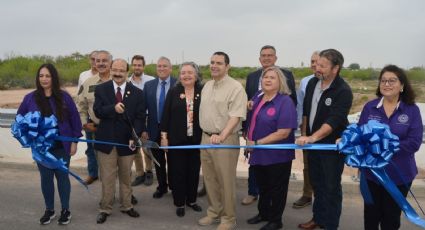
{"x":406,"y":123}
{"x":71,"y":124}
{"x":279,"y":113}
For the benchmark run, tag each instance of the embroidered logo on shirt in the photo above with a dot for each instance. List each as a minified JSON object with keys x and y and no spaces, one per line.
{"x":328,"y":101}
{"x":403,"y":118}
{"x":271,"y":111}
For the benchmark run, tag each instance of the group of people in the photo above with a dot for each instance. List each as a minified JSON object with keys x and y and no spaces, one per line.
{"x":182,"y":111}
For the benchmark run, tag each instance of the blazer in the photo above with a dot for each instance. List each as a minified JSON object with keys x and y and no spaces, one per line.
{"x":149,"y":97}
{"x":252,"y":81}
{"x":174,"y":117}
{"x":115,"y":127}
{"x":333,"y":108}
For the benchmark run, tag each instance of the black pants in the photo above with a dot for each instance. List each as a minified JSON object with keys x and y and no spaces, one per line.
{"x":384,"y":211}
{"x":161,"y":170}
{"x":272,"y":181}
{"x":183,"y":170}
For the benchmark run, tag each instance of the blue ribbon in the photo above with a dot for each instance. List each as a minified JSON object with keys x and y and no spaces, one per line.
{"x":39,"y":133}
{"x":370,"y":147}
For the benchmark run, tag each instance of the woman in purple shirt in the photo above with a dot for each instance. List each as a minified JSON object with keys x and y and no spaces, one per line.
{"x":49,"y":99}
{"x":395,"y":106}
{"x":272,"y":120}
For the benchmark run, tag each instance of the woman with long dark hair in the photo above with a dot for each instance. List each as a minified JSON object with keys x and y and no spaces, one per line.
{"x":49,"y":98}
{"x":395,"y":106}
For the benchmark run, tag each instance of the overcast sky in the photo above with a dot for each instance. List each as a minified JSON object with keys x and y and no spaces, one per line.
{"x":368,"y":32}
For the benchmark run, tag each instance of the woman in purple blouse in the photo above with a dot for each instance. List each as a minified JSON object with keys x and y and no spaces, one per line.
{"x":49,"y":99}
{"x":395,"y":106}
{"x":272,"y":120}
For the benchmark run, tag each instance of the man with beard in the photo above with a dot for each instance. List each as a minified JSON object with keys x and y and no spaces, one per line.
{"x":85,"y":100}
{"x":138,"y":79}
{"x":119,"y":106}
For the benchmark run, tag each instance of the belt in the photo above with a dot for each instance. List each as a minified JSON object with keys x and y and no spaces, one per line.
{"x":210,"y":134}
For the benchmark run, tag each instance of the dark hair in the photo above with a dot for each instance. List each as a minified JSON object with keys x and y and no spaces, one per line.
{"x":226,"y":57}
{"x":407,"y":95}
{"x":138,"y":57}
{"x":334,"y":56}
{"x":40,"y":97}
{"x":267,"y":47}
{"x":119,"y":59}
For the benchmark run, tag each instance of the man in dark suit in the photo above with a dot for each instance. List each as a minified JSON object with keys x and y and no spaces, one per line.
{"x":154,"y":95}
{"x":267,"y":59}
{"x":119,"y":106}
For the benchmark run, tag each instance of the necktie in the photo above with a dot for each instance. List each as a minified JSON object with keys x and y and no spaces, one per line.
{"x":118,"y":95}
{"x":161,"y":100}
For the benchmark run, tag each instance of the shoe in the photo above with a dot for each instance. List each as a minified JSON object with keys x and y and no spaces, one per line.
{"x":202,"y":192}
{"x":256,"y":219}
{"x":226,"y":226}
{"x":158,"y":194}
{"x":302,"y":202}
{"x":180,"y":211}
{"x":133,"y":200}
{"x":272,"y":226}
{"x":195,"y":207}
{"x":204,"y":221}
{"x":138,"y":180}
{"x":149,"y":178}
{"x":248,"y":200}
{"x":310,"y":225}
{"x":65,"y":217}
{"x":89,"y":180}
{"x":101,"y":217}
{"x":132,"y":213}
{"x":48,"y":216}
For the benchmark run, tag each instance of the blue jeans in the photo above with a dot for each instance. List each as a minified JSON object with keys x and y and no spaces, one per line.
{"x":325,"y":169}
{"x":63,"y":183}
{"x":92,"y":167}
{"x":252,"y":184}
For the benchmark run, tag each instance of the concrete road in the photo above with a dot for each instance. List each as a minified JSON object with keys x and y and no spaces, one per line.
{"x":21,"y":206}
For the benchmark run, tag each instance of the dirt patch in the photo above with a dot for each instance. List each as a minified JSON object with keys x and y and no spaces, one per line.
{"x":11,"y":99}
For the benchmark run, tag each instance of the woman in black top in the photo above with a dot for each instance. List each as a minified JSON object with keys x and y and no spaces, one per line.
{"x":180,"y":126}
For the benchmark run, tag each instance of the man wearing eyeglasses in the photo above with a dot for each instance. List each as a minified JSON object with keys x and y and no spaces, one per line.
{"x":138,"y":79}
{"x":328,"y":99}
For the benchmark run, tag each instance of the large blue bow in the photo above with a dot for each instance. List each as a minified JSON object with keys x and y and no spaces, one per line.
{"x":370,"y":147}
{"x":39,"y":133}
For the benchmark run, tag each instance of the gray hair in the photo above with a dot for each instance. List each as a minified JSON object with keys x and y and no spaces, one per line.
{"x":166,"y":59}
{"x":195,"y":67}
{"x":105,"y":52}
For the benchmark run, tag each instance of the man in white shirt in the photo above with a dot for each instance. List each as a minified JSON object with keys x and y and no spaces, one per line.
{"x":88,"y":73}
{"x":138,"y":79}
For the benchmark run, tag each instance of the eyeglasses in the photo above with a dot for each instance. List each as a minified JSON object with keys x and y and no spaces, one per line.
{"x":391,"y":81}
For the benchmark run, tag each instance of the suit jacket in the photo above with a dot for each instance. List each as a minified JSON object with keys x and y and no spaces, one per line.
{"x":252,"y":81}
{"x":149,"y":96}
{"x":174,"y":118}
{"x":115,"y":127}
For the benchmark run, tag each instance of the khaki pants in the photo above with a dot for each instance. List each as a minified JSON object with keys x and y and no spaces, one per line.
{"x":138,"y":162}
{"x":307,"y":189}
{"x":219,"y":170}
{"x":111,"y":165}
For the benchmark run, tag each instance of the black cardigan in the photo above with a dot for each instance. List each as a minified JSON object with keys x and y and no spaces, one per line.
{"x":174,"y":117}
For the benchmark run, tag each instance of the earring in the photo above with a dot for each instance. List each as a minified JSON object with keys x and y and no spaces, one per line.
{"x":401,"y":91}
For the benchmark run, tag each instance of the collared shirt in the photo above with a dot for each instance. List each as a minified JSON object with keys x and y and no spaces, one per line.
{"x":141,"y":84}
{"x":85,"y":99}
{"x":122,"y":88}
{"x":279,"y":113}
{"x":158,"y":90}
{"x":406,"y":123}
{"x":300,"y":97}
{"x":84,"y":76}
{"x":221,"y":100}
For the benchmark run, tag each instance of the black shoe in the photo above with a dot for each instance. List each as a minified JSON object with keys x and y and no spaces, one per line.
{"x":256,"y":219}
{"x":158,"y":194}
{"x":65,"y":217}
{"x":101,"y":217}
{"x":133,"y":200}
{"x":132,"y":213}
{"x":48,"y":216}
{"x":139,"y":180}
{"x":195,"y":207}
{"x":272,"y":226}
{"x":180,"y":211}
{"x":149,"y":178}
{"x":202,"y":192}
